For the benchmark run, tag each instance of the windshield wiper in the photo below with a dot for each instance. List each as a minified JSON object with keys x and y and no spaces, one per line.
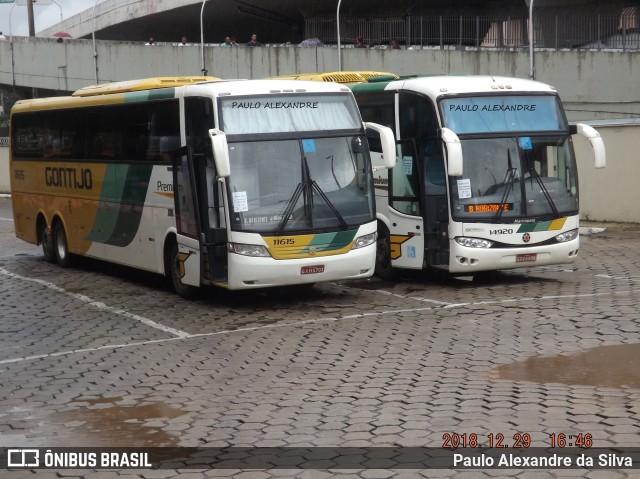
{"x":290,"y":206}
{"x":509,"y":178}
{"x":333,"y":209}
{"x":302,"y":186}
{"x":545,"y":192}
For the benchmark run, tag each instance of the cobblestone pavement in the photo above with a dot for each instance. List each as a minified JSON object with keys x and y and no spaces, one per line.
{"x":101,"y":355}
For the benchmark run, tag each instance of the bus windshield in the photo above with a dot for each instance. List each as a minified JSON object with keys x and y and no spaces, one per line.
{"x":300,"y":185}
{"x":515,"y":177}
{"x":503,"y":113}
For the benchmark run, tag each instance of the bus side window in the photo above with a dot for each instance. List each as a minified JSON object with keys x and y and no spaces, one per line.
{"x":373,"y":138}
{"x":404,"y":180}
{"x":435,"y":171}
{"x":167,"y":145}
{"x":418,"y":120}
{"x":378,"y":108}
{"x":164,"y":130}
{"x":198,"y":122}
{"x":434,"y":163}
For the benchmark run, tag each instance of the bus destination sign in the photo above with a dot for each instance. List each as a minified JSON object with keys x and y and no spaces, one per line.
{"x":488,"y":207}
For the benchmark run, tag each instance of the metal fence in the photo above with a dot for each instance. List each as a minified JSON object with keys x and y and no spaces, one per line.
{"x":553,"y":31}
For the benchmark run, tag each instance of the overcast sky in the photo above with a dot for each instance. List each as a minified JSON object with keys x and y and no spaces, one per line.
{"x":44,"y":15}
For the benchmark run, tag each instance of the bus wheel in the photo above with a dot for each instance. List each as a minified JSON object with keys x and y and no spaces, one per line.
{"x":384,"y":270}
{"x":47,"y":242}
{"x":60,"y":246}
{"x":173,"y":271}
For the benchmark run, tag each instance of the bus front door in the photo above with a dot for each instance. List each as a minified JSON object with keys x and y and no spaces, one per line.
{"x":189,"y":260}
{"x":406,"y":230}
{"x":215,"y":261}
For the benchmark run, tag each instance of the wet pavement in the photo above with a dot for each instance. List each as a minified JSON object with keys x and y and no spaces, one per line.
{"x":611,"y":366}
{"x":101,"y":355}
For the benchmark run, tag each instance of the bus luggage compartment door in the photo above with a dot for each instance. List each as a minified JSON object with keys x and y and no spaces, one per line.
{"x":189,"y":259}
{"x":406,"y":240}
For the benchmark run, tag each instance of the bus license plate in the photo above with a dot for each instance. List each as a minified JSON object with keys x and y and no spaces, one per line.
{"x":312,"y":269}
{"x":526,"y":258}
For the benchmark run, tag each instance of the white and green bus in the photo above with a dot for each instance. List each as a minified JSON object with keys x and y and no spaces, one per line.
{"x":487,"y":177}
{"x":238,"y":184}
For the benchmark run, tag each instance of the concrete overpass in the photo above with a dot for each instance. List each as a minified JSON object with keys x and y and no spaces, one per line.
{"x":279,"y":21}
{"x":275,"y":21}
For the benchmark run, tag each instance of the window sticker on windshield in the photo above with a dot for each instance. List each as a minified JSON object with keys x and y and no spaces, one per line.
{"x":464,"y":188}
{"x":407,"y":165}
{"x":309,"y":146}
{"x":525,"y":143}
{"x":240,"y":202}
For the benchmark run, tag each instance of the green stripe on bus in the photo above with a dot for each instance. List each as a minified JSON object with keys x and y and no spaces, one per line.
{"x":121,"y":203}
{"x":368,"y":87}
{"x":160,"y":94}
{"x":134,"y":193}
{"x":110,"y":195}
{"x":331,"y":241}
{"x":530,"y":227}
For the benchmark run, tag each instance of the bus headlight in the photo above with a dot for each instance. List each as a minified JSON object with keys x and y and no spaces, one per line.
{"x":366,"y":240}
{"x":248,"y":249}
{"x":474,"y":242}
{"x":567,"y":236}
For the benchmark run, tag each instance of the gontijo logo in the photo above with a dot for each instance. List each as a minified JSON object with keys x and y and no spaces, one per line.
{"x":80,"y":179}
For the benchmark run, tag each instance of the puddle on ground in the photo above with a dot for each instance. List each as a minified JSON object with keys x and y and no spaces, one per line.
{"x":605,"y":366}
{"x":104,"y":423}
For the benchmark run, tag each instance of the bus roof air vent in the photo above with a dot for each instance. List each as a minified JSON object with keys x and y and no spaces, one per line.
{"x":140,"y":85}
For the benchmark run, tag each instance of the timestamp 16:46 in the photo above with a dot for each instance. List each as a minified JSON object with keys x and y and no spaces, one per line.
{"x":584,"y":440}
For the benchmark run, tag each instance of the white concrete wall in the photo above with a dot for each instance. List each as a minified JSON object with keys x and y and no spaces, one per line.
{"x":611,"y":193}
{"x":4,"y":170}
{"x":589,"y":82}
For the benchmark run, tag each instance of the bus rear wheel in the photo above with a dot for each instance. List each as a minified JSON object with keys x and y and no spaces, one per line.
{"x":47,"y":242}
{"x":172,"y":262}
{"x":60,"y":246}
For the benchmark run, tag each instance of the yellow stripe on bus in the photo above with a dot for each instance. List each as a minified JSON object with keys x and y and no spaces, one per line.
{"x":557,"y":224}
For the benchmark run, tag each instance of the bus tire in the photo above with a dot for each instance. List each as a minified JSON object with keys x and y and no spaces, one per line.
{"x":46,"y":238}
{"x":384,"y":270}
{"x":61,"y":246}
{"x":172,"y":268}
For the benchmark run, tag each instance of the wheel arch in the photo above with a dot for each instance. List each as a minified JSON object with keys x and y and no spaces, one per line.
{"x":41,"y":220}
{"x":170,"y":237}
{"x":383,"y":221}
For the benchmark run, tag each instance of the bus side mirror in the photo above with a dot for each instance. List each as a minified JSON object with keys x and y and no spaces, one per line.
{"x":596,"y":141}
{"x":388,"y":143}
{"x":453,"y":150}
{"x":220,"y":152}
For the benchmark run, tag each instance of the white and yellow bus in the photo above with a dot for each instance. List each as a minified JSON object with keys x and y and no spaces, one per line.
{"x":239,"y":184}
{"x":487,"y":176}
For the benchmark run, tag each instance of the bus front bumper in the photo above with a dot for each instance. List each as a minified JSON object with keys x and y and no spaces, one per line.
{"x":469,"y":260}
{"x":251,"y":272}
